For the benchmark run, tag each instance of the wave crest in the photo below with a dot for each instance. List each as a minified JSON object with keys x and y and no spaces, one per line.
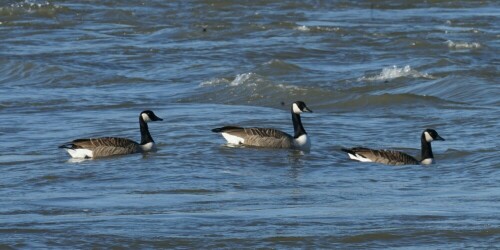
{"x":394,"y":72}
{"x":245,"y":88}
{"x":44,"y":8}
{"x":369,"y":101}
{"x":305,"y":28}
{"x":249,"y":79}
{"x":462,"y":45}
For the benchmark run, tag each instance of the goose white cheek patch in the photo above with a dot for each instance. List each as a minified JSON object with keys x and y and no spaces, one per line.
{"x":146,"y":118}
{"x":428,"y":137}
{"x":296,"y":109}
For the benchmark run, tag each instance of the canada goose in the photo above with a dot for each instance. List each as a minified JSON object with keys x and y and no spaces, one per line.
{"x":268,"y":137}
{"x":392,"y":157}
{"x":108,"y":146}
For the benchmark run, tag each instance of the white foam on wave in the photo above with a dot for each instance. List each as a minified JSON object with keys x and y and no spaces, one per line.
{"x":253,"y":79}
{"x":274,"y":61}
{"x":302,"y":28}
{"x":212,"y":82}
{"x":329,"y":28}
{"x":291,"y":87}
{"x":247,"y":87}
{"x":462,"y":45}
{"x":30,"y":6}
{"x":316,"y":28}
{"x":393,"y":72}
{"x":243,"y":79}
{"x":248,"y":80}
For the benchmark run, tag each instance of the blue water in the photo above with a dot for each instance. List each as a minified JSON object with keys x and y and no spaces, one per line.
{"x":376,"y":74}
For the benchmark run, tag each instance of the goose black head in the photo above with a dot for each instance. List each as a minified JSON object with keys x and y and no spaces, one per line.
{"x":148,"y":115}
{"x":431,"y":135}
{"x":299,"y":107}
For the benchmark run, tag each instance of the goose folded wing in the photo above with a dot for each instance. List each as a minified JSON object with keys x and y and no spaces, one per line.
{"x":102,"y":142}
{"x":390,"y":157}
{"x":266,"y":132}
{"x":103,"y":151}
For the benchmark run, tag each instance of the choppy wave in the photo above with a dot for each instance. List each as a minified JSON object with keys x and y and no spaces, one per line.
{"x":244,"y":89}
{"x":277,"y":67}
{"x":386,"y":100}
{"x":72,"y":69}
{"x":249,"y":80}
{"x":252,"y":88}
{"x":393,"y":72}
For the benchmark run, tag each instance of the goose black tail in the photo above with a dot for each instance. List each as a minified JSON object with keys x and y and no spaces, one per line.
{"x":217,"y":130}
{"x":67,"y":145}
{"x":349,"y":151}
{"x":224,"y":129}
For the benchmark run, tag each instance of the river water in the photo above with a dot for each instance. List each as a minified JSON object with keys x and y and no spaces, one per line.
{"x":375,"y":73}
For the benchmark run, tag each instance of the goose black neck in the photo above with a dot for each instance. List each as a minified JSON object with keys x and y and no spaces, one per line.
{"x":426,"y":148}
{"x":145,"y":135}
{"x":297,"y":125}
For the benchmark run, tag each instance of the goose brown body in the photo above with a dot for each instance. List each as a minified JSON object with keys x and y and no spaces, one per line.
{"x":270,"y":137}
{"x":259,"y":137}
{"x":392,"y":157}
{"x":110,"y":146}
{"x":106,"y":146}
{"x":389,"y":157}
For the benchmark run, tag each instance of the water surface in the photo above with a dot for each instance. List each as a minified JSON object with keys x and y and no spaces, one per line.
{"x":375,"y":73}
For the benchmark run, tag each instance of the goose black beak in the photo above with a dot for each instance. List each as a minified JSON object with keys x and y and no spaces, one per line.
{"x":306,"y":109}
{"x":156,"y":118}
{"x":439,"y":138}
